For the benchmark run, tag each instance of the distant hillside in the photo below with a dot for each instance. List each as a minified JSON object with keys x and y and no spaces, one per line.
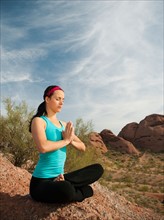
{"x":138,"y":178}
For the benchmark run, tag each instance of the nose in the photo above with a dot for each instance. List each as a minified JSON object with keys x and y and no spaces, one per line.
{"x":61,"y":102}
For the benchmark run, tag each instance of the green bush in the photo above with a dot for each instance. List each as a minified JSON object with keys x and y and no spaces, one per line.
{"x":144,"y":188}
{"x":77,"y":159}
{"x":82,"y":130}
{"x":15,"y":137}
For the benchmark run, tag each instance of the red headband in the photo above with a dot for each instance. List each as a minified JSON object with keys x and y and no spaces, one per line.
{"x":53,"y":89}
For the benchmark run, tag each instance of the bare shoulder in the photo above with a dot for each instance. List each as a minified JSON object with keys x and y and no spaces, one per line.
{"x":38,"y":121}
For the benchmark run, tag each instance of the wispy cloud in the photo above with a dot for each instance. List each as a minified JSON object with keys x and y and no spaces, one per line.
{"x":17,"y":64}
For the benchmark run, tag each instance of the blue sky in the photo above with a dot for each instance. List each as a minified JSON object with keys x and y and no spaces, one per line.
{"x":106,"y":55}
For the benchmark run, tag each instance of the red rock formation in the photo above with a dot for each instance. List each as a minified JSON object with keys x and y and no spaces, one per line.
{"x":117,"y":143}
{"x":97,"y":142}
{"x":128,"y":132}
{"x":147,"y":135}
{"x":16,"y":204}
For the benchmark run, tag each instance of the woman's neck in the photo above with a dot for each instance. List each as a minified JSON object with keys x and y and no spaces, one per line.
{"x":51,"y":115}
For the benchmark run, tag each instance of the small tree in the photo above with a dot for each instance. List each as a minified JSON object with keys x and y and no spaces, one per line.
{"x":82,"y":129}
{"x":15,"y":137}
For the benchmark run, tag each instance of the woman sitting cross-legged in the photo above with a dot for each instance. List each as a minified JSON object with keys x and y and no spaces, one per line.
{"x":49,"y":183}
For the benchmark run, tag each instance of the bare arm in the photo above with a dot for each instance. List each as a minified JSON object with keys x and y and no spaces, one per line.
{"x":40,"y":139}
{"x":76,"y":142}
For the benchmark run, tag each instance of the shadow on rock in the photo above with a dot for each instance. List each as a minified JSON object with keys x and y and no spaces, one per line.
{"x":24,"y":208}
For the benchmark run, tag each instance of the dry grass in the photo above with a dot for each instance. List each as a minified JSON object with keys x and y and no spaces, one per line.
{"x":139,"y":179}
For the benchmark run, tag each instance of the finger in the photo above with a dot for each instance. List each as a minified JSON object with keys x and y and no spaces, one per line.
{"x":70,"y":124}
{"x":69,"y":128}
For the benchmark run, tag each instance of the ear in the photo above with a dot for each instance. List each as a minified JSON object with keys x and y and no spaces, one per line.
{"x":47,"y":99}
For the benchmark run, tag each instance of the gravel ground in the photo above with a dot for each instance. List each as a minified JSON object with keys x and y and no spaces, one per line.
{"x":16,"y":204}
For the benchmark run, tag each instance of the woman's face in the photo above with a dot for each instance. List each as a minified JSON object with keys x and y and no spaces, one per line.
{"x":56,"y":101}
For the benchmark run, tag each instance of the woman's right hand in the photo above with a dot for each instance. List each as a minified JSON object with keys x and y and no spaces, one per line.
{"x":68,"y":134}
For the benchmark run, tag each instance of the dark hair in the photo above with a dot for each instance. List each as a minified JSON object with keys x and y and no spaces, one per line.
{"x":42,"y":107}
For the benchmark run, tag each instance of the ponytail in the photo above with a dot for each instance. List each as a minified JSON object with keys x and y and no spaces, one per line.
{"x":42,"y":107}
{"x":40,"y":111}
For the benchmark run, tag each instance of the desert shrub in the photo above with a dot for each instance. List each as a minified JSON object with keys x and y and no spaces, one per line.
{"x":77,"y":159}
{"x":82,"y":129}
{"x":144,"y":188}
{"x":116,"y":186}
{"x":130,"y":185}
{"x":15,"y":137}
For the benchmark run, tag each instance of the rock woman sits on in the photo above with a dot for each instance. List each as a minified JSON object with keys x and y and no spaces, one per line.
{"x":49,"y":183}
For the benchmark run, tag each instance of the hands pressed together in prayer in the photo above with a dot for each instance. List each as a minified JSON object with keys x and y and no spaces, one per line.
{"x":68,"y":134}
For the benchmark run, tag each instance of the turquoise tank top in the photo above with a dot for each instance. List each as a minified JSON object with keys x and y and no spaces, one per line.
{"x":51,"y":164}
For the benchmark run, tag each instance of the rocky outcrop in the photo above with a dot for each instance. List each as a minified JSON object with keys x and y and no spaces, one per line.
{"x":117,"y":143}
{"x":128,"y":132}
{"x":147,"y":135}
{"x":97,"y":142}
{"x":106,"y":205}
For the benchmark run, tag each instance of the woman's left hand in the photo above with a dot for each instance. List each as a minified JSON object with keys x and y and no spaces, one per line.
{"x":59,"y":178}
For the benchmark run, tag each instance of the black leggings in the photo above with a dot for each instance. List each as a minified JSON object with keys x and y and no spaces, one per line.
{"x":75,"y":187}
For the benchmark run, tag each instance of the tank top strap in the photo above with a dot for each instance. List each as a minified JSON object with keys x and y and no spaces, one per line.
{"x":62,"y":124}
{"x":48,"y":122}
{"x":45,"y":119}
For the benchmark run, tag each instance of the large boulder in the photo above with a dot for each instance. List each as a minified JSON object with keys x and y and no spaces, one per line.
{"x":97,"y":142}
{"x":117,"y":143}
{"x":147,"y":135}
{"x":16,"y":203}
{"x":128,"y":131}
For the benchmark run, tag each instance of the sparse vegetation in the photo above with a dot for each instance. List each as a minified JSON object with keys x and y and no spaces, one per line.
{"x":82,"y":129}
{"x":135,"y":176}
{"x":15,"y":138}
{"x":130,"y":176}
